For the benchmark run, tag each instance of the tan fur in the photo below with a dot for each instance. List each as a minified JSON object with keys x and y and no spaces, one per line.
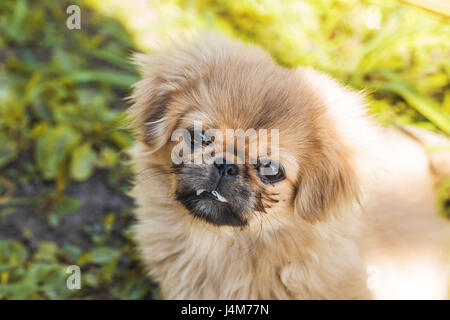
{"x":355,"y":194}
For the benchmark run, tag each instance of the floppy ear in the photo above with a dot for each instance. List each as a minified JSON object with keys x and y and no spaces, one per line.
{"x":330,"y":180}
{"x":166,"y":74}
{"x":149,"y":115}
{"x":327,"y":186}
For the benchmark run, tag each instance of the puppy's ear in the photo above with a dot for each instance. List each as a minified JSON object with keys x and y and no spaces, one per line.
{"x":167,"y":74}
{"x":327,"y":186}
{"x":330,"y":180}
{"x":149,"y":116}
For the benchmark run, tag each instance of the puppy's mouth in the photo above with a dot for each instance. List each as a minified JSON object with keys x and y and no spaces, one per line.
{"x":211,"y":206}
{"x":219,"y":193}
{"x":211,"y":194}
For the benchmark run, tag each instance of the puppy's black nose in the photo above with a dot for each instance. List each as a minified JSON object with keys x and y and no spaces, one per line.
{"x":226,"y":169}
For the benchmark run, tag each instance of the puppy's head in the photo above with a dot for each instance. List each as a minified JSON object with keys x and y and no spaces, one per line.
{"x":237,"y":136}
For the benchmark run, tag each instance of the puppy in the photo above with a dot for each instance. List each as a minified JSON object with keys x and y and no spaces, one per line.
{"x":331,"y":206}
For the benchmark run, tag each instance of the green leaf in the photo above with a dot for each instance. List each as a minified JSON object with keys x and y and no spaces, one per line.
{"x":13,"y":253}
{"x":47,"y":251}
{"x":72,"y":252}
{"x":113,"y":78}
{"x":64,"y":205}
{"x":104,"y":255}
{"x":423,"y":104}
{"x":8,"y":151}
{"x":83,"y":162}
{"x":53,"y":150}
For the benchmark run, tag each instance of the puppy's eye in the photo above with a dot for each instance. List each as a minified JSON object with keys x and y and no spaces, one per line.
{"x":269,"y":172}
{"x":198,"y":138}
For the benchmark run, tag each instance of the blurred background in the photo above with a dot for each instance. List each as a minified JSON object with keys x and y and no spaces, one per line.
{"x":63,"y":170}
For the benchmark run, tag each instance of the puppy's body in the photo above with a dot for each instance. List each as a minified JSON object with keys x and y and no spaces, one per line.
{"x":317,"y":238}
{"x":276,"y":259}
{"x":404,"y":241}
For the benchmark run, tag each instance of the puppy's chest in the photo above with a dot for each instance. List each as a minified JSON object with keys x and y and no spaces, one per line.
{"x":205,"y":268}
{"x":192,"y":262}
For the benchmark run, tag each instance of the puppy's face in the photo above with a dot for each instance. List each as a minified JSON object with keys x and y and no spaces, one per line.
{"x":226,"y":178}
{"x":238,"y":136}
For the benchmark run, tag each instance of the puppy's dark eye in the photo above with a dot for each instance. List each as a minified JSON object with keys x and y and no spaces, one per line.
{"x":269,"y":172}
{"x":198,"y":138}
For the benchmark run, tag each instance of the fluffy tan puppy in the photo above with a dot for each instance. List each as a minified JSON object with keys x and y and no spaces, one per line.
{"x":347,"y":212}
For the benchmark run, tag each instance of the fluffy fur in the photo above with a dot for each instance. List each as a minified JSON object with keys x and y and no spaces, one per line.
{"x":355,"y":195}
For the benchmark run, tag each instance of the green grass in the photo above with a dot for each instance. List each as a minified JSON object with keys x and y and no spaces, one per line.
{"x":63,"y":178}
{"x":61,"y":103}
